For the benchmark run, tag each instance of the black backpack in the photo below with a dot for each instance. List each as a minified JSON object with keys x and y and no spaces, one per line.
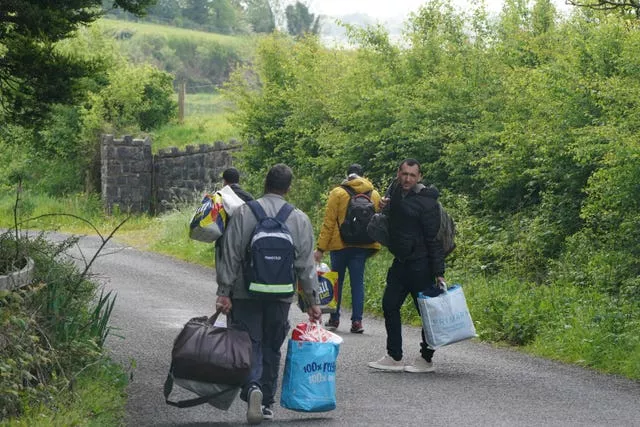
{"x":270,"y":271}
{"x":360,"y":210}
{"x":447,"y":231}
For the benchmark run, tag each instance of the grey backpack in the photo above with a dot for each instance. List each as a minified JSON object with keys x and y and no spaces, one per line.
{"x":447,"y":232}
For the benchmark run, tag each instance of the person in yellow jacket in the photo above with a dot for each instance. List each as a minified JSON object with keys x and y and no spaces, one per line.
{"x":347,"y":256}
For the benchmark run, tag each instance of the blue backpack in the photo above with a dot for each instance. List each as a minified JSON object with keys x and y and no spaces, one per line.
{"x":270,"y":272}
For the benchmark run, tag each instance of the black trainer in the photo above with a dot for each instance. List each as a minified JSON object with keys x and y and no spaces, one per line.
{"x":267,"y":412}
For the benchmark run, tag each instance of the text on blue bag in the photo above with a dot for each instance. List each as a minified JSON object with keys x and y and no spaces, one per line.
{"x":309,"y":381}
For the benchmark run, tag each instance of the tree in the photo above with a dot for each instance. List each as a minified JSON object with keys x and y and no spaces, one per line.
{"x":33,"y":74}
{"x":166,"y":10}
{"x":260,"y":15}
{"x":624,"y":6}
{"x":196,"y":11}
{"x":224,"y":16}
{"x":300,"y":21}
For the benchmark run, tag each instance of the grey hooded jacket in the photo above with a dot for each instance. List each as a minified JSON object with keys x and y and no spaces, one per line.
{"x":236,"y":239}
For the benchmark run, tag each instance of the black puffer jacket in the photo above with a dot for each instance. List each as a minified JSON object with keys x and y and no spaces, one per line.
{"x":414,"y":220}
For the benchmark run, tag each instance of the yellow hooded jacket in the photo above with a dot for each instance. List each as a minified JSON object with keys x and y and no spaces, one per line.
{"x":329,"y":239}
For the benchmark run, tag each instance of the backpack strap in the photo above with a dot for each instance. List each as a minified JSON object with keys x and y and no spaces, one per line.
{"x":349,"y":190}
{"x":352,"y":192}
{"x":257,"y":209}
{"x":284,"y":212}
{"x":259,"y":213}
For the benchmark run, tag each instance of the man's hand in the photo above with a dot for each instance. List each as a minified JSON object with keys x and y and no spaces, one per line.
{"x":440,"y":283}
{"x":383,"y":202}
{"x":317,"y":255}
{"x":315,"y":314}
{"x":223,"y":304}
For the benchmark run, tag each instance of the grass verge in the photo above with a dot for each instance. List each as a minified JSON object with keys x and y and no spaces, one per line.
{"x":97,"y":399}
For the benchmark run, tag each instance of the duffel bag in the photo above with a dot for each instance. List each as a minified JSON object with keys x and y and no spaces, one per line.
{"x":204,"y":353}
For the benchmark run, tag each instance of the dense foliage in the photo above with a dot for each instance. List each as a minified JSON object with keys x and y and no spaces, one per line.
{"x":52,"y":332}
{"x":59,"y":151}
{"x":33,"y":74}
{"x":300,"y":21}
{"x":527,"y":124}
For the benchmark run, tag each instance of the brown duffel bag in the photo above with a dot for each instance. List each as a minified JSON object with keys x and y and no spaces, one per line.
{"x":210,"y":354}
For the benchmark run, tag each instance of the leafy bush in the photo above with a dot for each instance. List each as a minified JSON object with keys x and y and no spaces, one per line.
{"x":49,"y":331}
{"x":137,"y":97}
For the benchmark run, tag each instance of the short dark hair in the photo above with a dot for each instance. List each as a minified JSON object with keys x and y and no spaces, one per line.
{"x":409,"y":162}
{"x":231,"y":175}
{"x":278,"y":179}
{"x":354,"y":168}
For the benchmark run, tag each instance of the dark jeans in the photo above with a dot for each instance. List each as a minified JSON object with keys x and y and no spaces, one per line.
{"x":353,"y":259}
{"x":405,"y":278}
{"x":267,"y":323}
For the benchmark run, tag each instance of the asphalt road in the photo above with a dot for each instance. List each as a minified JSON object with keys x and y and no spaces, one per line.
{"x":474,"y":384}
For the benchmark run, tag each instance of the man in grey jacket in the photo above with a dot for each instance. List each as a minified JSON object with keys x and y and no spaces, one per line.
{"x":266,"y":320}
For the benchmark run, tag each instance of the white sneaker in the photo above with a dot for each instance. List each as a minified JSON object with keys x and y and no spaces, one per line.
{"x":419,"y":366}
{"x":254,"y":406}
{"x":387,"y":363}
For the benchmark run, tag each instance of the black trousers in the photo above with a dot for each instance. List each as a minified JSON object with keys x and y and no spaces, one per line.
{"x":405,"y":278}
{"x":268,"y":324}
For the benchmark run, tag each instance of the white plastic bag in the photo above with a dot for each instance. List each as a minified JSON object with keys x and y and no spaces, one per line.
{"x":446,"y":318}
{"x":314,"y":332}
{"x":210,"y":219}
{"x":230,"y":200}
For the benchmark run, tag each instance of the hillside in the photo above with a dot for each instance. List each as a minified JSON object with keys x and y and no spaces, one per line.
{"x":202,"y":60}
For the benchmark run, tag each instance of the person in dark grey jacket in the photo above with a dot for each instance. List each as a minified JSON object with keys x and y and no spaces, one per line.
{"x":266,"y":320}
{"x":418,"y":266}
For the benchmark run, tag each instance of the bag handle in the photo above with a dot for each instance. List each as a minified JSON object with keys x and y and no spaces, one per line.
{"x":212,"y":320}
{"x":443,"y":286}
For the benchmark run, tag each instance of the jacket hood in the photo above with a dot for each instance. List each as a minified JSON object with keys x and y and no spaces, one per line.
{"x":359,"y":184}
{"x":426,"y":191}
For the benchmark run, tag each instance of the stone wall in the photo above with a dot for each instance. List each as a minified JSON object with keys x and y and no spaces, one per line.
{"x":134,"y":180}
{"x":126,"y":174}
{"x":184,"y":175}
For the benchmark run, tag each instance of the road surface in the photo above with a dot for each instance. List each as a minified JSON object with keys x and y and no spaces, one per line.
{"x":474,"y":384}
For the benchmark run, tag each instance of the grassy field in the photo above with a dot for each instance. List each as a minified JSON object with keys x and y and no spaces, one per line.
{"x":206,"y":121}
{"x":127,"y":29}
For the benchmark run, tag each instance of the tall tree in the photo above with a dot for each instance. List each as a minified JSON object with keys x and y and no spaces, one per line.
{"x":33,"y":74}
{"x":300,"y":21}
{"x":166,"y":10}
{"x":260,"y":15}
{"x":626,"y":7}
{"x":197,"y":11}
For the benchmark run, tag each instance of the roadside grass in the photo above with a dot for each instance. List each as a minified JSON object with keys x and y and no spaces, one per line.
{"x":97,"y":399}
{"x":562,"y":321}
{"x":171,"y":237}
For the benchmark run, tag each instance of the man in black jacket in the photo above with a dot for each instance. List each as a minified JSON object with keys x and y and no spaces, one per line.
{"x":231,"y":177}
{"x":418,"y":265}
